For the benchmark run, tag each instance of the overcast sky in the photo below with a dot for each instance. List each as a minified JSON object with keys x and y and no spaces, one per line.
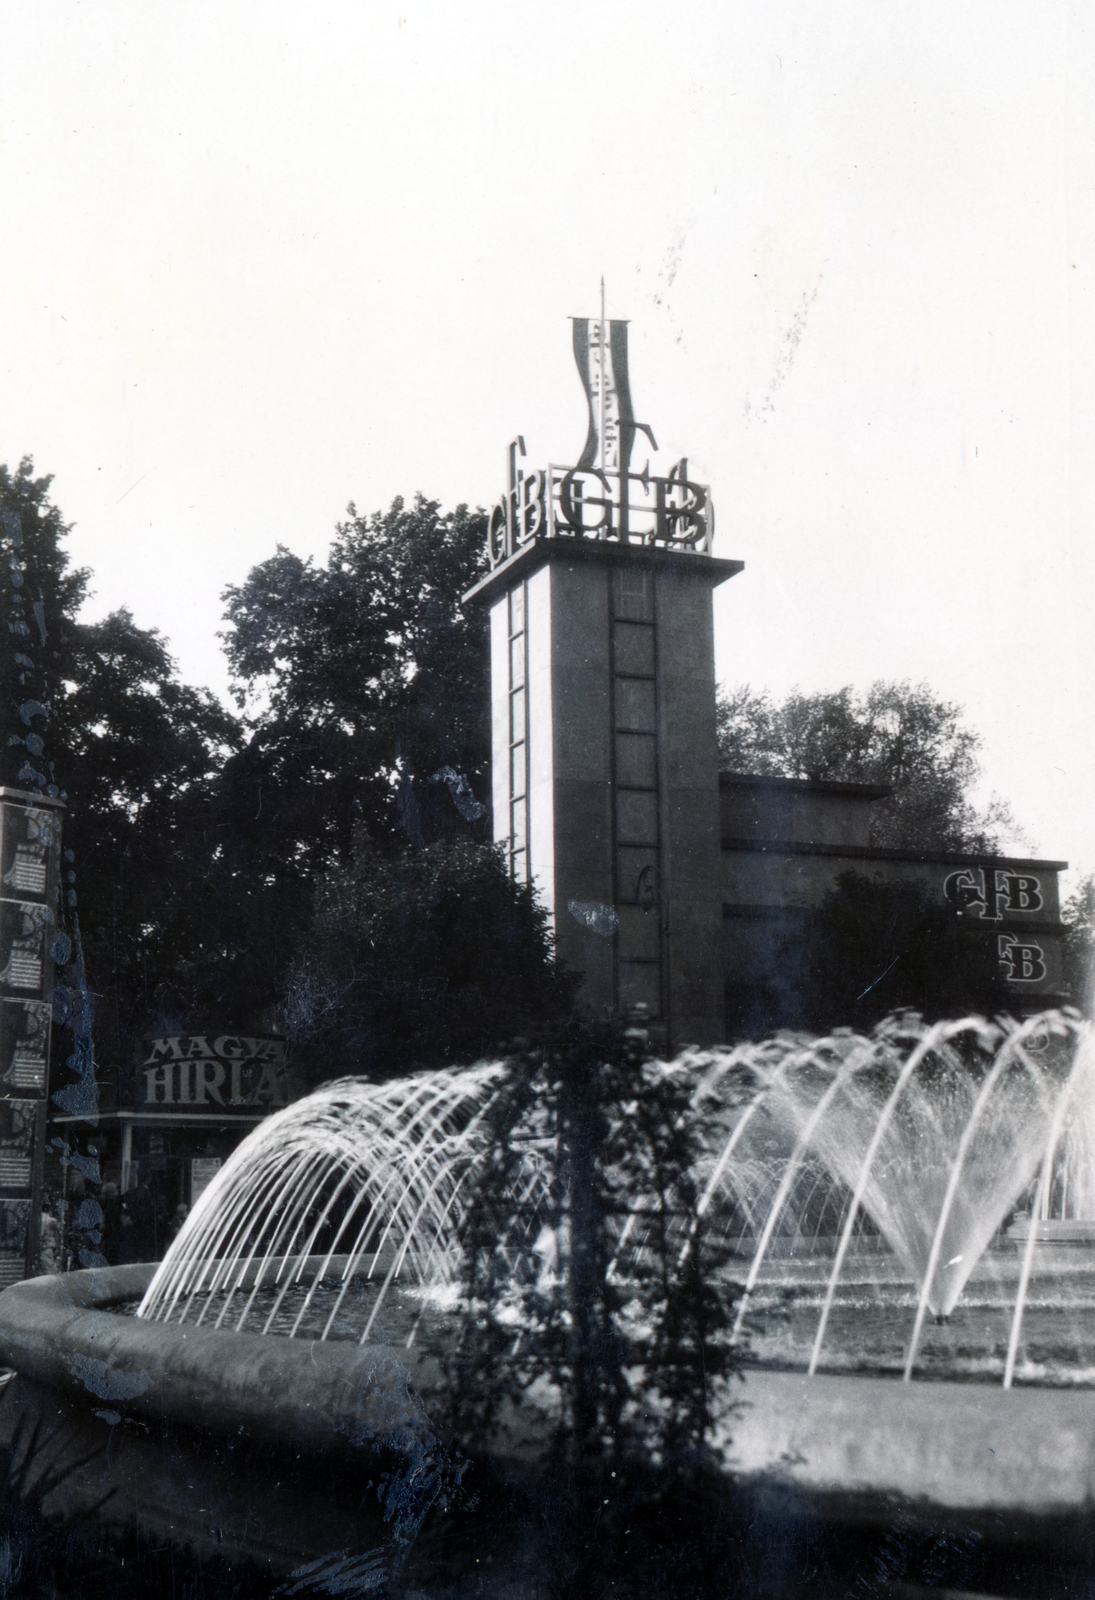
{"x":259,"y":260}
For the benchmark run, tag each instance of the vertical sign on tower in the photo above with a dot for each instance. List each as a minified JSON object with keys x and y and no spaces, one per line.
{"x":600,"y":351}
{"x":30,"y":840}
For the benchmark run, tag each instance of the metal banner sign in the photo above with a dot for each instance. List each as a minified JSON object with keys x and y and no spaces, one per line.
{"x":994,"y":893}
{"x":30,"y":846}
{"x":600,"y":349}
{"x":1029,"y":954}
{"x":1023,"y":961}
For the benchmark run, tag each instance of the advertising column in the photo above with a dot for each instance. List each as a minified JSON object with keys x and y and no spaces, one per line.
{"x":30,"y":842}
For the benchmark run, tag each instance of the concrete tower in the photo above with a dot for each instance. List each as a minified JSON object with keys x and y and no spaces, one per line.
{"x":605,"y":767}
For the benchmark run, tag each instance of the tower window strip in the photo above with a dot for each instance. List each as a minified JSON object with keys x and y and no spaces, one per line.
{"x":517,"y":651}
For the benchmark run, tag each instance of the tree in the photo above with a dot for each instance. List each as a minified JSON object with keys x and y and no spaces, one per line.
{"x":140,"y":753}
{"x":1078,"y":916}
{"x":423,"y":957}
{"x":96,"y":710}
{"x":878,"y":947}
{"x":600,"y":1313}
{"x":360,"y":679}
{"x":899,"y":734}
{"x":363,"y":678}
{"x":44,"y":598}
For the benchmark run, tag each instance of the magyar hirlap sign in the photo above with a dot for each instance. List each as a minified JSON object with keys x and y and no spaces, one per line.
{"x":186,"y":1071}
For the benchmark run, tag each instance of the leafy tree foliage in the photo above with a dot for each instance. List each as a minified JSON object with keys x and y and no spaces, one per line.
{"x":417,"y":958}
{"x":198,"y":840}
{"x":45,"y":595}
{"x":136,"y":753}
{"x":899,"y":734}
{"x":362,"y":678}
{"x":1078,"y":915}
{"x":882,"y":947}
{"x":870,"y":948}
{"x":141,"y":754}
{"x":608,"y":1316}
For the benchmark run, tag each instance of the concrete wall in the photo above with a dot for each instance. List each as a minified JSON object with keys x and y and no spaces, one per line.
{"x":754,"y":807}
{"x":690,"y":790}
{"x":578,"y":767}
{"x":768,"y":891}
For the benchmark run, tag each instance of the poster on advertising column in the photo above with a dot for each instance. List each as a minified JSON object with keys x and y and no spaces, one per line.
{"x":30,"y":839}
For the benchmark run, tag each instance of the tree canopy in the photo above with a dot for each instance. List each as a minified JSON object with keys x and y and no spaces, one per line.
{"x":418,"y":958}
{"x":899,"y":734}
{"x":1078,"y":916}
{"x":136,"y":754}
{"x":141,"y":754}
{"x":219,"y":858}
{"x":360,"y":679}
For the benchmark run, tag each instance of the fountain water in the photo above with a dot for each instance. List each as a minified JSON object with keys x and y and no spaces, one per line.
{"x":911,"y":1147}
{"x":357,"y":1180}
{"x":860,"y":1188}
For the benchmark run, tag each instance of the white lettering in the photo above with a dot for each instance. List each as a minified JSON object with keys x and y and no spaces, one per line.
{"x":165,"y":1047}
{"x":271,"y":1086}
{"x":160,"y":1078}
{"x":209,"y":1075}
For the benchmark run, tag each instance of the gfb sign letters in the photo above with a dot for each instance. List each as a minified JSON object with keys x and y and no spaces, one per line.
{"x":994,"y":892}
{"x":185,"y":1071}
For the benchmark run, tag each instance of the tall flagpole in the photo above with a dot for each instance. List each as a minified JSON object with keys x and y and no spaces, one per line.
{"x":602,"y":439}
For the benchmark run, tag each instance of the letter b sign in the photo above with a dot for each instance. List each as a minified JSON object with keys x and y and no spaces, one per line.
{"x":1022,"y":962}
{"x":1017,"y":893}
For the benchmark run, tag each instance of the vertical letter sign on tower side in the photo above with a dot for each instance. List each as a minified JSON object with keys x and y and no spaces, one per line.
{"x":30,"y":840}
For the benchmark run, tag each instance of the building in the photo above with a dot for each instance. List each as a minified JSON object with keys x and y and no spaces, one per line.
{"x":668,"y":884}
{"x":785,"y":844}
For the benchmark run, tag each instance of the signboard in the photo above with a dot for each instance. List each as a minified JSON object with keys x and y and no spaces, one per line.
{"x":1021,"y":904}
{"x":30,"y":844}
{"x":203,"y":1169}
{"x":593,"y":503}
{"x":184,"y":1073}
{"x":994,"y":893}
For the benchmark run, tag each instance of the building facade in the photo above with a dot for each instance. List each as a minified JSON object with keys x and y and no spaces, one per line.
{"x":668,"y":884}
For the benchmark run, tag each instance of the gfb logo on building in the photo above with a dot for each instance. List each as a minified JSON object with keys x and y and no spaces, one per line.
{"x":996,"y":892}
{"x":1022,"y":961}
{"x":184,"y":1070}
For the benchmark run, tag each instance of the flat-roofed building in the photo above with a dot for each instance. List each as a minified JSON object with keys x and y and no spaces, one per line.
{"x":669,"y":885}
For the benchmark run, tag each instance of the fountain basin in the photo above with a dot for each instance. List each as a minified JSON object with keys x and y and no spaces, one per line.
{"x":57,"y":1331}
{"x":182,"y":1408}
{"x":230,"y":1445}
{"x":970,"y":1448}
{"x":1053,"y":1230}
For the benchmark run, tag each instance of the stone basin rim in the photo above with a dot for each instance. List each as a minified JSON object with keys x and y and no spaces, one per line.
{"x":58,"y":1331}
{"x":955,"y":1446}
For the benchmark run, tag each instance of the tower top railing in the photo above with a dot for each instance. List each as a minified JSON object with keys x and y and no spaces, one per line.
{"x":595,"y":503}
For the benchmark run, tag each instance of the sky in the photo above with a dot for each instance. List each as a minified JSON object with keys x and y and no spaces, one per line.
{"x":262,"y":260}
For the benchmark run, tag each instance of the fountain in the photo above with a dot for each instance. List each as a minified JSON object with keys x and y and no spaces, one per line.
{"x":862,"y":1191}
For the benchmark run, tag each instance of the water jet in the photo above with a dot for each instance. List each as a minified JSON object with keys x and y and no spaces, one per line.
{"x":863,"y":1189}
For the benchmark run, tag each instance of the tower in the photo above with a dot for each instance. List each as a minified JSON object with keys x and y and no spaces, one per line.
{"x":605,"y":768}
